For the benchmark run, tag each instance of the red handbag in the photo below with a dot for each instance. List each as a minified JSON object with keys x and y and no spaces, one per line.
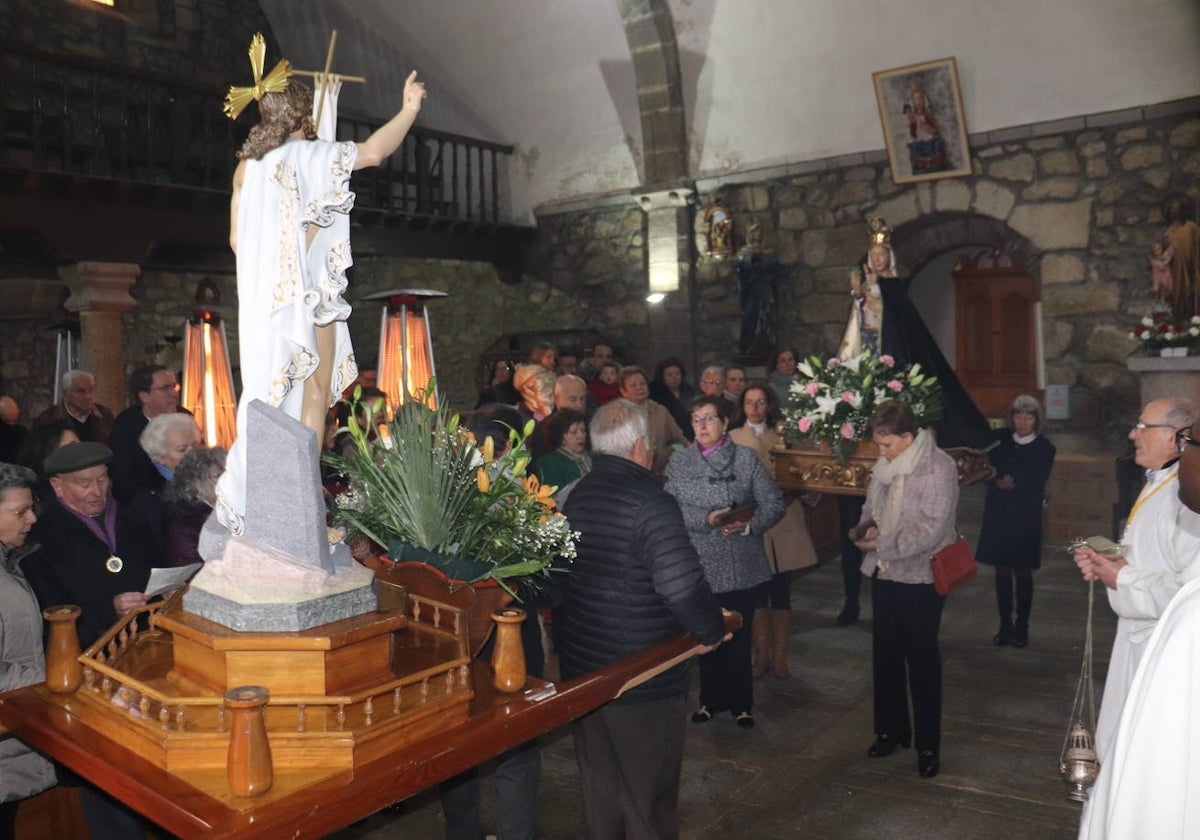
{"x":953,"y":566}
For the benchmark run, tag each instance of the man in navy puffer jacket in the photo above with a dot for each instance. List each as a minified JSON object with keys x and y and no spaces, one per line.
{"x":636,"y":582}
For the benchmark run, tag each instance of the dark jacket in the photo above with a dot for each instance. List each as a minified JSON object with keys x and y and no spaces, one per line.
{"x":70,"y":568}
{"x":636,"y":580}
{"x":131,"y":469}
{"x":95,"y":428}
{"x":181,"y":523}
{"x":1012,"y":519}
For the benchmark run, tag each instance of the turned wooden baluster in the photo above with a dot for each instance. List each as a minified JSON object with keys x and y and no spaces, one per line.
{"x":64,"y":671}
{"x":248,"y":765}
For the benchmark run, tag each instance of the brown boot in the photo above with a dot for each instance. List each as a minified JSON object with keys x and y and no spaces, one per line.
{"x":762,"y":642}
{"x":781,"y":622}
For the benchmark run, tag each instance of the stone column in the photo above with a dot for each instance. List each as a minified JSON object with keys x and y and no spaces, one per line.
{"x":100,"y":293}
{"x":669,"y":269}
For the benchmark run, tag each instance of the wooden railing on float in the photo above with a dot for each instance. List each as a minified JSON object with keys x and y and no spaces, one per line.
{"x":80,"y":116}
{"x":146,"y":704}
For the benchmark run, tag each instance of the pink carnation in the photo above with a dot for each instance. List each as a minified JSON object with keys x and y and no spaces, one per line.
{"x":887,"y":360}
{"x":829,"y":363}
{"x":895,"y":385}
{"x":847,"y":397}
{"x":847,"y":431}
{"x":804,"y":425}
{"x":812,"y":388}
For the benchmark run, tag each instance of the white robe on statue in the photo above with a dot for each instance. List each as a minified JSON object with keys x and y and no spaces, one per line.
{"x":287,"y":289}
{"x":1161,"y":543}
{"x":1150,"y":786}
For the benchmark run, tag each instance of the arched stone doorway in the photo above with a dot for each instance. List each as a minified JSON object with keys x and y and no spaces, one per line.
{"x":927,"y":249}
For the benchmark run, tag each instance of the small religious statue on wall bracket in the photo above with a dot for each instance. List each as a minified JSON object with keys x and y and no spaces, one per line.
{"x":1175,"y":257}
{"x":758,"y":270}
{"x":718,"y":231}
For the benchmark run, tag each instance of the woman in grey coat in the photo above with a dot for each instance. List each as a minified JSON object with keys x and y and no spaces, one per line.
{"x":713,"y":478}
{"x":23,"y":772}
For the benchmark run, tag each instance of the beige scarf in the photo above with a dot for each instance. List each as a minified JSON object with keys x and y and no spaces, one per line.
{"x":891,"y":474}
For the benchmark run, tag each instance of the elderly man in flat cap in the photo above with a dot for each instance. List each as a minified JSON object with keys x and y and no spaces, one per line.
{"x":95,"y":553}
{"x":98,"y":555}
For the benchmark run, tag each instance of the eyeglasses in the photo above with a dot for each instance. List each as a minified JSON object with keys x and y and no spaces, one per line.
{"x":174,"y":386}
{"x":1141,"y":427}
{"x":1184,"y":439}
{"x":710,"y":381}
{"x":22,"y":512}
{"x":704,"y":420}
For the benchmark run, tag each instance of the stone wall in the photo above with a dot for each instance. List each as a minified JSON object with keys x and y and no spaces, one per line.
{"x":1077,"y":203}
{"x":590,"y":271}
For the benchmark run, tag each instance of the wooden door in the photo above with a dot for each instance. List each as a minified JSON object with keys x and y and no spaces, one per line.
{"x":996,"y":330}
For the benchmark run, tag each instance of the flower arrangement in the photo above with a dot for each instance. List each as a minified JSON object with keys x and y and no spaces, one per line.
{"x":834,"y":400}
{"x":1159,"y":329}
{"x":423,"y":488}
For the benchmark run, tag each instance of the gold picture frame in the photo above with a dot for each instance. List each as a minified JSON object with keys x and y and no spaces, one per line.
{"x":718,"y":231}
{"x":924,"y":123}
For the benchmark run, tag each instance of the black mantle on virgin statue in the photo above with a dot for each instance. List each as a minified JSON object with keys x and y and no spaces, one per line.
{"x":905,"y":337}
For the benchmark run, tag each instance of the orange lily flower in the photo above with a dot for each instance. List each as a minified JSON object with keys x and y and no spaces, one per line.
{"x":543,"y":494}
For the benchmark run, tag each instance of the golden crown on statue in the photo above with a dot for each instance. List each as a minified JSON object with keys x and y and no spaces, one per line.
{"x":880,"y":233}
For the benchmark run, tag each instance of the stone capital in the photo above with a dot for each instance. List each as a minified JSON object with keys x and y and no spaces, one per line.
{"x":100,"y":286}
{"x":672,"y":198}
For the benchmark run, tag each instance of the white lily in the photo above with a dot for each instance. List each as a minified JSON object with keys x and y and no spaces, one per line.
{"x":827,"y":405}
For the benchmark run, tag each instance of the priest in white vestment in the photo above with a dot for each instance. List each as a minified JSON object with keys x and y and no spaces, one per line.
{"x":290,"y":230}
{"x":1150,"y":785}
{"x":1160,"y":547}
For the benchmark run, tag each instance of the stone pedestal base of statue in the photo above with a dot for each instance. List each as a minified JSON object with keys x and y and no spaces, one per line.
{"x":257,"y":588}
{"x":1160,"y":377}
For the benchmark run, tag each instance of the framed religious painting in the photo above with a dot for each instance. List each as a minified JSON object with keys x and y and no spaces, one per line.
{"x":924,"y":124}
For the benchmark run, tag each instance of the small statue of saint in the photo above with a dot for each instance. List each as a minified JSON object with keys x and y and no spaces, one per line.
{"x":1175,"y":257}
{"x":757,"y":269}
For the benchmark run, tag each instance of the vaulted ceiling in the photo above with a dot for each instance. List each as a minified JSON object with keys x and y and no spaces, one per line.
{"x":764,"y":82}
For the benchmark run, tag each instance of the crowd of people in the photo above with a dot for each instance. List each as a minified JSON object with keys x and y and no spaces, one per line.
{"x":681,"y":521}
{"x":90,"y":502}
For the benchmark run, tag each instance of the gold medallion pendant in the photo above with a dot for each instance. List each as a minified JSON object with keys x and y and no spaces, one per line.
{"x":114,"y":564}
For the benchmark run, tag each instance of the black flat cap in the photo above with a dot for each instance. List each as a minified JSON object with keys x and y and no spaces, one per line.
{"x":77,"y":456}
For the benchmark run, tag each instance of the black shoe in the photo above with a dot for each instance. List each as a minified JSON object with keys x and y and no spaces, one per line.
{"x":1004,"y":635}
{"x":701,"y":715}
{"x":743,"y":719}
{"x":1020,"y":637}
{"x":927,"y":764}
{"x":885,"y":745}
{"x":848,"y":615}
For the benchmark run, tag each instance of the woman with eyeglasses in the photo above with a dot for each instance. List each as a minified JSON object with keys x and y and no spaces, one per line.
{"x":1011,"y":538}
{"x":23,"y":773}
{"x":788,"y":545}
{"x":729,"y":501}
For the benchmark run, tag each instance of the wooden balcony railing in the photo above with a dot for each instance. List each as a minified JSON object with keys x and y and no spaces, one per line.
{"x":79,"y":116}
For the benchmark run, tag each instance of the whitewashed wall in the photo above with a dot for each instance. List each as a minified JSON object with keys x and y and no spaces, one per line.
{"x":766,"y":82}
